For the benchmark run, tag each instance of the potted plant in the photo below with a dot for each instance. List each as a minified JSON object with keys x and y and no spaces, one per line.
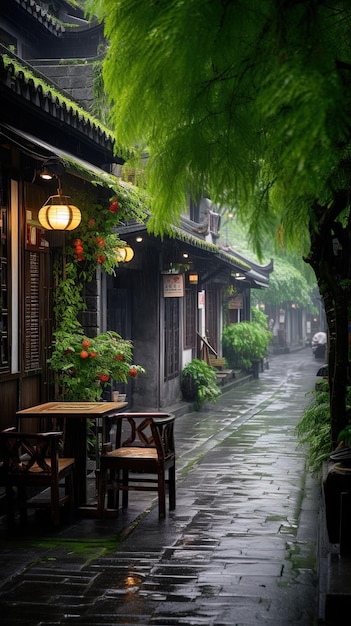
{"x":198,"y":383}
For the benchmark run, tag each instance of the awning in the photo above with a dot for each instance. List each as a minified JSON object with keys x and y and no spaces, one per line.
{"x":227,"y":258}
{"x":78,"y":167}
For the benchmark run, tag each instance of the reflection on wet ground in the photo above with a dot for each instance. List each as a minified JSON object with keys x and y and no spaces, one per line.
{"x":240,"y":548}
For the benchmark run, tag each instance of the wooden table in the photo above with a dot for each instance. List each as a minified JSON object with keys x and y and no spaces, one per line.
{"x":76,"y":415}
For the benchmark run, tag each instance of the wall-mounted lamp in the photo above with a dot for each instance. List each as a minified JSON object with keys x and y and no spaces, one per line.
{"x":193,"y":278}
{"x":52,"y":168}
{"x":138,"y":239}
{"x":46,"y":174}
{"x":125,"y":254}
{"x":239,"y":276}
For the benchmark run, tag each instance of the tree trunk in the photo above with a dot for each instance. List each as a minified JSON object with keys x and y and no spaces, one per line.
{"x":338,"y":362}
{"x":331,"y":265}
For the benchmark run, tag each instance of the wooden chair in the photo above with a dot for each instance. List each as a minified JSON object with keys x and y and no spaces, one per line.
{"x":31,"y":460}
{"x":144,"y":451}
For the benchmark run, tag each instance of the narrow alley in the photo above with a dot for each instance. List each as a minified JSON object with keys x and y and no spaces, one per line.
{"x":239,"y":550}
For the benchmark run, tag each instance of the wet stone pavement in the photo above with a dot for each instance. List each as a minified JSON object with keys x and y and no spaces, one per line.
{"x":239,"y":550}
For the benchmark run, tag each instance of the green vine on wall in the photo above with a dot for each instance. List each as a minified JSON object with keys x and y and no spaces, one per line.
{"x":94,"y":244}
{"x":84,"y":366}
{"x":68,"y":299}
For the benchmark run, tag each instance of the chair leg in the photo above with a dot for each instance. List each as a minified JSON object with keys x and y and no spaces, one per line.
{"x":125,"y":480}
{"x":172,"y":488}
{"x":69,"y":490}
{"x":55,"y":504}
{"x":101,"y":493}
{"x":161,"y":494}
{"x":113,"y":493}
{"x":10,"y":505}
{"x":116,"y":492}
{"x":22,"y":503}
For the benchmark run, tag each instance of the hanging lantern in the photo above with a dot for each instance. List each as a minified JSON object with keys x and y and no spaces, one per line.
{"x":58,"y":213}
{"x":125,"y":254}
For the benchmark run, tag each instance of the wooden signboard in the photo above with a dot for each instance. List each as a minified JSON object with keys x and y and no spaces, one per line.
{"x":173,"y":285}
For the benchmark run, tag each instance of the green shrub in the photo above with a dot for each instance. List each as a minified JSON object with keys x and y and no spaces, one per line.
{"x":244,"y":343}
{"x":260,"y":318}
{"x":314,"y":430}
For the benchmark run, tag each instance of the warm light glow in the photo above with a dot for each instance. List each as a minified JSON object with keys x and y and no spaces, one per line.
{"x":193,"y":278}
{"x":138,"y":239}
{"x":59,"y":214}
{"x":53,"y":167}
{"x":125,"y":254}
{"x":46,"y":175}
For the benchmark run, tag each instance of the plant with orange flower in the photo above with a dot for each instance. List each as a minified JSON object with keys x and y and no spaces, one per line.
{"x":84,"y":366}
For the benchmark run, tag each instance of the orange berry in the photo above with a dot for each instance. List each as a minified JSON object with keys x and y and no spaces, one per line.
{"x":104,"y":377}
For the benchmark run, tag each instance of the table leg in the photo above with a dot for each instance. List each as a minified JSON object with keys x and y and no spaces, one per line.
{"x":76,"y":446}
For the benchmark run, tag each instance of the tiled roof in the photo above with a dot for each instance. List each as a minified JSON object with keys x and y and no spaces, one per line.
{"x":80,"y":168}
{"x":42,"y":16}
{"x":229,"y":258}
{"x":22,"y":80}
{"x":73,"y":164}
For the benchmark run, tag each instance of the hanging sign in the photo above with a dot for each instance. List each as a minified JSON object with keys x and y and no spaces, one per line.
{"x":173,"y":285}
{"x":236,"y":302}
{"x":201,"y":300}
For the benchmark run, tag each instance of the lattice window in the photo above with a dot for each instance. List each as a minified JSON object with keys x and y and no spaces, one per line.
{"x":4,"y":294}
{"x":171,"y":330}
{"x":32,"y":312}
{"x":215,"y":221}
{"x":211,"y":315}
{"x":190,"y":318}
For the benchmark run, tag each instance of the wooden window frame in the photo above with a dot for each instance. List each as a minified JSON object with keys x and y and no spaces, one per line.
{"x":171,"y":338}
{"x":190,"y":308}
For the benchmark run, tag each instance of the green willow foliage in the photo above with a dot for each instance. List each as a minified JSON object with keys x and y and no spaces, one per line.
{"x":286,"y":284}
{"x":245,"y":99}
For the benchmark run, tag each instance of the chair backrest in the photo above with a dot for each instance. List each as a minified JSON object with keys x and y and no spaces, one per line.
{"x":26,"y":453}
{"x":152,"y":430}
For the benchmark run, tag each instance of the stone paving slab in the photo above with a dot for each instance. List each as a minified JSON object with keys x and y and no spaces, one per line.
{"x":240,"y":548}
